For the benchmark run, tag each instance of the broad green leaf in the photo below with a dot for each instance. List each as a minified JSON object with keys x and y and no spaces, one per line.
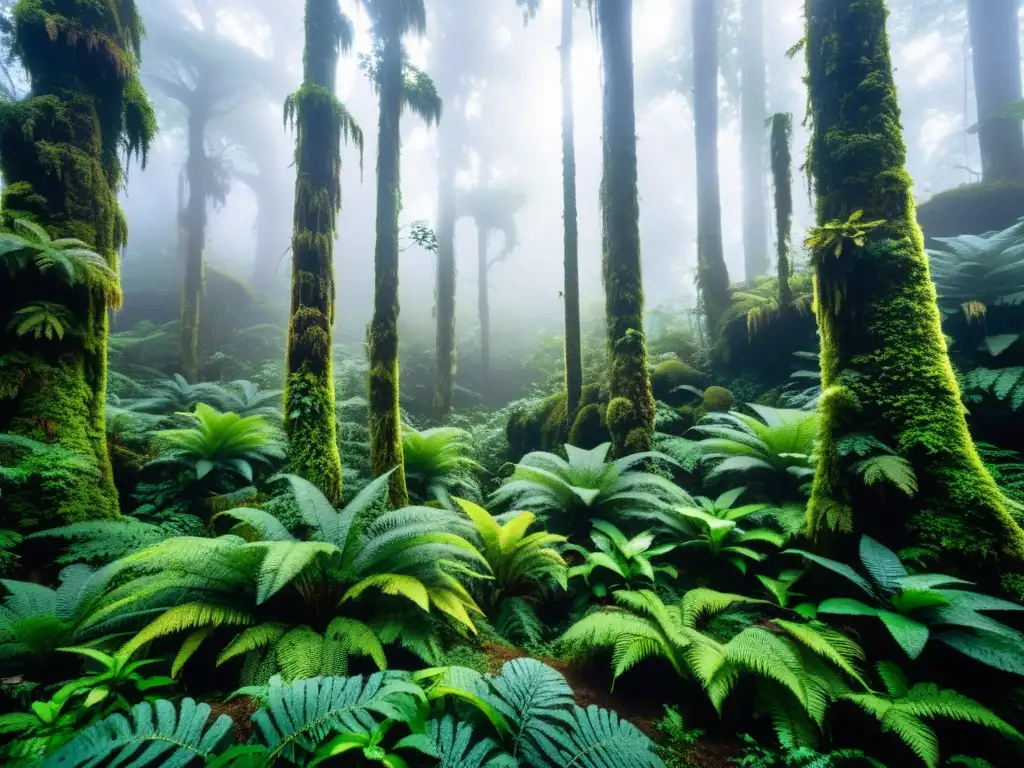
{"x":846,"y":606}
{"x":910,"y":634}
{"x":881,"y":562}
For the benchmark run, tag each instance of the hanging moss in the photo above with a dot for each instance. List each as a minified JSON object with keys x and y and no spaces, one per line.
{"x":620,"y":208}
{"x":61,"y":154}
{"x":321,"y":122}
{"x":881,"y":340}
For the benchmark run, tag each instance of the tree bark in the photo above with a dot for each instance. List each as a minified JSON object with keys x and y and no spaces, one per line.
{"x":782,"y":181}
{"x":195,"y":242}
{"x":712,"y":275}
{"x":444,"y":293}
{"x":884,"y":364}
{"x":753,"y":114}
{"x":631,"y":408}
{"x":995,"y":40}
{"x":483,"y":235}
{"x":571,"y":290}
{"x":385,"y":418}
{"x":309,"y":380}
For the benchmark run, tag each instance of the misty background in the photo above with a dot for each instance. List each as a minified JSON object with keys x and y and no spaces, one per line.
{"x":247,"y":55}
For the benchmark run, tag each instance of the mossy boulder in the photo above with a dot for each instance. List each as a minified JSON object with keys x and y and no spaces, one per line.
{"x":971,"y":209}
{"x":670,"y":374}
{"x":717,"y":400}
{"x":544,"y":427}
{"x":589,"y":429}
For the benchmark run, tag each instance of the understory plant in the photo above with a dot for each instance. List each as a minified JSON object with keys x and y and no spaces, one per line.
{"x":525,"y":716}
{"x":915,"y":608}
{"x":572,"y":491}
{"x":621,"y":562}
{"x":438,"y":465}
{"x":287,"y":599}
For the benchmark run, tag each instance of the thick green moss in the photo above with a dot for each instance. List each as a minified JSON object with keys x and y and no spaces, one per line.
{"x":61,"y":151}
{"x":620,"y":210}
{"x":670,"y":374}
{"x":589,"y":429}
{"x":321,"y":123}
{"x":544,"y":428}
{"x":972,"y":209}
{"x":881,"y":339}
{"x":717,"y":400}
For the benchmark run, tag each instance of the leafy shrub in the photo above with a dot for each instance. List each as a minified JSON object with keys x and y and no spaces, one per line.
{"x":437,"y":465}
{"x":621,"y":562}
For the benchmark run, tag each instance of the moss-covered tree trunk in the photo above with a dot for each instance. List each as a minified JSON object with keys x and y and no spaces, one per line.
{"x":631,"y":408}
{"x":753,"y":114}
{"x":571,"y":268}
{"x":195,"y":243}
{"x":483,"y":308}
{"x":385,"y":418}
{"x":309,"y":381}
{"x":995,"y":44}
{"x":444,"y":293}
{"x":885,"y":368}
{"x":712,"y":275}
{"x":60,"y":155}
{"x":782,"y":183}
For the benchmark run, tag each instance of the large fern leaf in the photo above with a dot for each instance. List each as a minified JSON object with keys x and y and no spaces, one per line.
{"x":453,"y":740}
{"x":595,"y":738}
{"x":156,"y":735}
{"x":532,"y":697}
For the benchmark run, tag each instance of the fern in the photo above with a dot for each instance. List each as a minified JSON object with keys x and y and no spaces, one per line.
{"x":1005,"y":384}
{"x":596,"y":738}
{"x":453,"y":740}
{"x":904,"y":712}
{"x":43,"y":320}
{"x":156,"y":732}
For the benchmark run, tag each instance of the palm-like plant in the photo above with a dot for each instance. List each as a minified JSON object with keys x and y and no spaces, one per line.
{"x":221,"y":442}
{"x":35,"y":621}
{"x":584,"y":486}
{"x":903,"y":710}
{"x":293,"y":604}
{"x":621,"y":562}
{"x":247,"y":399}
{"x":804,"y":663}
{"x":779,"y":443}
{"x":71,"y":259}
{"x":176,"y":395}
{"x":437,"y":465}
{"x":974,"y":272}
{"x":915,"y":608}
{"x":717,"y":527}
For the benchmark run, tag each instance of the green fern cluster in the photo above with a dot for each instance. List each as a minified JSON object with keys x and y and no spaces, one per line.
{"x":524,"y":716}
{"x":438,"y":465}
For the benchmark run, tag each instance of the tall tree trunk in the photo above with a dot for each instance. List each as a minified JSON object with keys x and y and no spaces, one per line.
{"x":753,"y":114}
{"x":995,"y":40}
{"x":885,"y":368}
{"x":571,"y":291}
{"x":86,"y":106}
{"x":309,"y":378}
{"x":385,"y":419}
{"x":483,"y":235}
{"x":195,"y":242}
{"x":712,"y":275}
{"x":444,"y":292}
{"x":782,"y":182}
{"x":631,"y":409}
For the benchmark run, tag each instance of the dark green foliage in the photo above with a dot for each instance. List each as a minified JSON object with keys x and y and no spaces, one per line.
{"x":916,"y":608}
{"x":757,"y":756}
{"x":437,"y":465}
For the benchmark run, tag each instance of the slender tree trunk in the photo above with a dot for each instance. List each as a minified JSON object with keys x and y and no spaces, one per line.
{"x":712,"y":275}
{"x":631,"y":409}
{"x":444,"y":294}
{"x":385,"y":418}
{"x":483,"y":235}
{"x":195,"y":242}
{"x":885,"y":368}
{"x":571,"y":291}
{"x":309,"y":382}
{"x":782,"y":181}
{"x":995,"y":40}
{"x":753,"y":114}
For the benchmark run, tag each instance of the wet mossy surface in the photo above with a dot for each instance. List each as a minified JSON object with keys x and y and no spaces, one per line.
{"x":972,"y":209}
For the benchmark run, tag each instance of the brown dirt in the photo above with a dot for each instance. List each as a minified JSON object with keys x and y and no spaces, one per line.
{"x":240,"y":709}
{"x":711,"y":754}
